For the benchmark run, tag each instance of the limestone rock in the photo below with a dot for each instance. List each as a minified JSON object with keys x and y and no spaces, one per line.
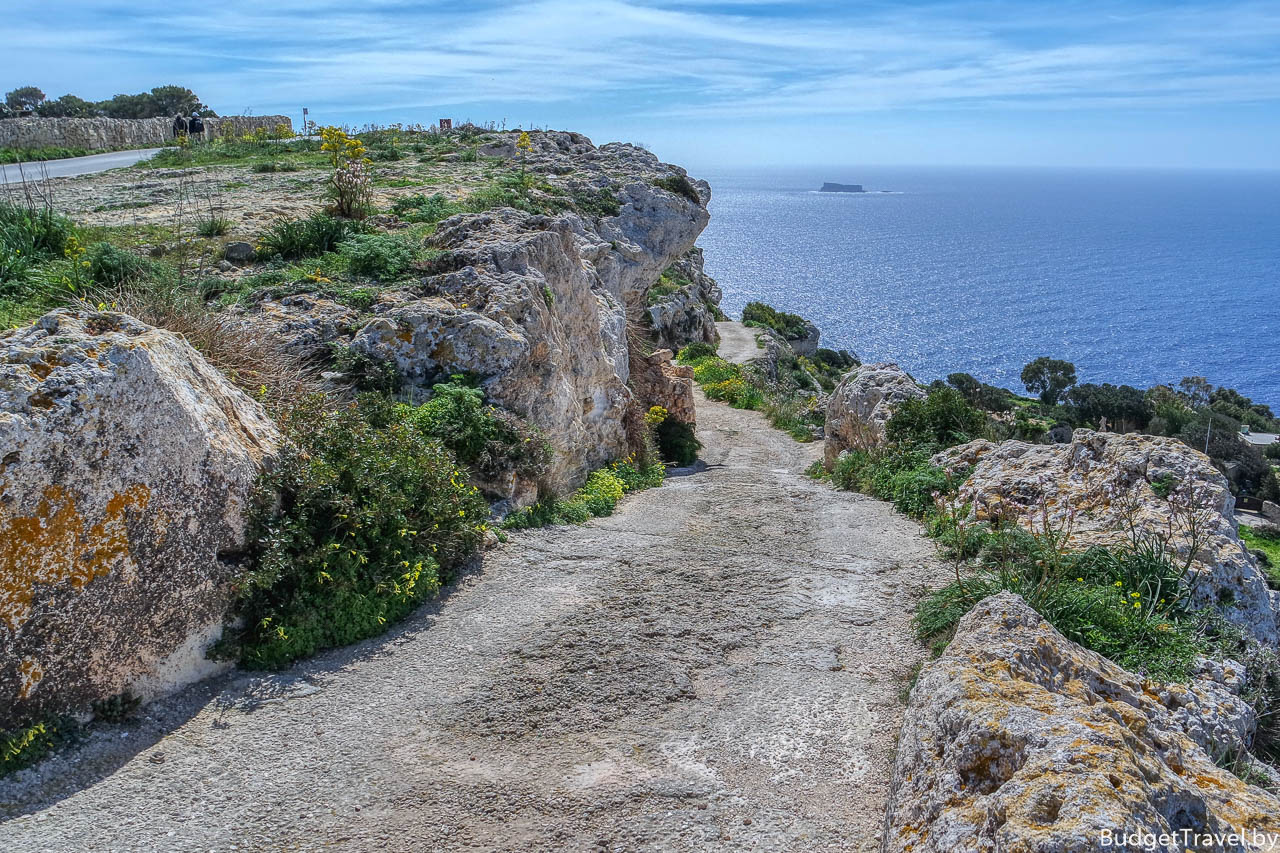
{"x":1271,"y":512}
{"x":862,"y":404}
{"x":657,"y":381}
{"x":1017,"y":739}
{"x":1100,"y":486}
{"x":126,"y":464}
{"x":807,"y":344}
{"x":689,"y":314}
{"x":539,"y":306}
{"x":304,"y":323}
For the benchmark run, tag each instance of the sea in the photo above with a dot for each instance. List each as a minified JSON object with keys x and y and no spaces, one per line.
{"x":1135,"y":276}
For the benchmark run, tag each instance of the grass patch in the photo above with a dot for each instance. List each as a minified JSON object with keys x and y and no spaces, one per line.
{"x":1264,"y":540}
{"x":300,"y":238}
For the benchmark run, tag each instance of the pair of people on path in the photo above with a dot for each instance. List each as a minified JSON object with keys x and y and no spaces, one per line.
{"x":183,"y":126}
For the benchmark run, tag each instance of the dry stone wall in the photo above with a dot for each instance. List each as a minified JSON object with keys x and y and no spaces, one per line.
{"x":104,"y":133}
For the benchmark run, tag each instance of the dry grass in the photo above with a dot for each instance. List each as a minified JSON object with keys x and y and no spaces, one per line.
{"x":248,"y":355}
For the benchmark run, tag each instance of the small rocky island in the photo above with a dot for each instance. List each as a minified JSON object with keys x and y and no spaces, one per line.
{"x":841,"y":188}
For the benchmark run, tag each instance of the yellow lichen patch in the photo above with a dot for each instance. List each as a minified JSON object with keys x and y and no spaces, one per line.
{"x":31,"y":674}
{"x":57,"y":545}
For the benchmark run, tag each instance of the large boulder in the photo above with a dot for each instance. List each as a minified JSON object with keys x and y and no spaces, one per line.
{"x":126,"y":466}
{"x":1103,"y":488}
{"x":861,"y":405}
{"x":1017,"y":739}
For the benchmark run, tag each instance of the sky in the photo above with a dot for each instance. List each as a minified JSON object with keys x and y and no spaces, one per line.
{"x":711,"y":84}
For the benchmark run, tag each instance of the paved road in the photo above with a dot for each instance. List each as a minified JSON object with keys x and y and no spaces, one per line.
{"x":714,"y":668}
{"x":72,"y":166}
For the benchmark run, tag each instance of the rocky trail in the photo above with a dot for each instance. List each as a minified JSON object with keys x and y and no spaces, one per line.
{"x":715,"y":667}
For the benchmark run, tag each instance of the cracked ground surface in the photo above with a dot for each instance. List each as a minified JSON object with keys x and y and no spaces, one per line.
{"x":717,"y":666}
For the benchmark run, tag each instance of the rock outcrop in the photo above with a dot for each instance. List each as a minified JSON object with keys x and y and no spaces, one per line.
{"x":126,"y":466}
{"x":861,"y":405}
{"x":100,"y":133}
{"x":657,"y":381}
{"x":689,"y":314}
{"x":539,"y":307}
{"x":1017,"y":739}
{"x":1102,"y":488}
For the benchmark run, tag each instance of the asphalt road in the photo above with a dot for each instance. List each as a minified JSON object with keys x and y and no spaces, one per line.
{"x":73,"y":166}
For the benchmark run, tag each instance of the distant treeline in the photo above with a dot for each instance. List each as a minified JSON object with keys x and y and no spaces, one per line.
{"x":160,"y":101}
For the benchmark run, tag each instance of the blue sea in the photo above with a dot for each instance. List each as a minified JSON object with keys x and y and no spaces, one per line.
{"x":1137,"y":277}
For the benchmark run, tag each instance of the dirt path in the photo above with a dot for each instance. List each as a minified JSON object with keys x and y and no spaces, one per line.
{"x":715,"y":667}
{"x":737,"y":342}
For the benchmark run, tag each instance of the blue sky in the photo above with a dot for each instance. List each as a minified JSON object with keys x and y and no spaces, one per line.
{"x":712,"y":83}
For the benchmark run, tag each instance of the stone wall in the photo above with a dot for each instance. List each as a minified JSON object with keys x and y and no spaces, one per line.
{"x":103,"y":133}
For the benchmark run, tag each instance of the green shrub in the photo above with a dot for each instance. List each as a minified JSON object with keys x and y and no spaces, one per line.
{"x":25,"y":745}
{"x":598,"y":202}
{"x":212,"y":225}
{"x":677,"y":442}
{"x":681,"y":186}
{"x":791,"y":326}
{"x":29,"y":236}
{"x":112,"y":266}
{"x":423,"y":208}
{"x":488,"y":440}
{"x":362,"y":518}
{"x":364,"y":372}
{"x":942,"y":419}
{"x":906,"y":479}
{"x":300,"y":238}
{"x":1125,"y":603}
{"x":598,"y":497}
{"x":636,"y":477}
{"x":695,"y":351}
{"x":380,"y":256}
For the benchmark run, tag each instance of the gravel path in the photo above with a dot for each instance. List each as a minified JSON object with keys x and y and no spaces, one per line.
{"x":715,"y":667}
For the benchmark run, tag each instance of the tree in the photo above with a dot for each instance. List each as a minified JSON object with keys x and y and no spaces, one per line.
{"x":1049,"y":377}
{"x":176,"y":100}
{"x":128,"y":106}
{"x":68,"y":106}
{"x":24,"y":98}
{"x":1197,"y":391}
{"x":1125,"y":407}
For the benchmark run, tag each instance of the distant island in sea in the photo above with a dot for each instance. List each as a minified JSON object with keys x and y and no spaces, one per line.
{"x":841,"y":188}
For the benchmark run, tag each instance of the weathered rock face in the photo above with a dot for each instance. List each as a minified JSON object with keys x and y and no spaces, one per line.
{"x":96,"y":133}
{"x":657,"y":381}
{"x":304,"y":323}
{"x":538,"y":306}
{"x":126,"y":463}
{"x":689,"y":314}
{"x":1099,"y":487}
{"x":862,"y":404}
{"x":1017,"y":739}
{"x":807,"y":344}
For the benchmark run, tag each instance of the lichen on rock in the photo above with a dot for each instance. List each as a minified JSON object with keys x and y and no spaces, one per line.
{"x":1098,"y":489}
{"x":862,"y":404}
{"x":126,"y":465}
{"x":1017,"y":739}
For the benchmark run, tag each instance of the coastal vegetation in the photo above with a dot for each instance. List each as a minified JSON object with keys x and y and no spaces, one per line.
{"x":167,"y":101}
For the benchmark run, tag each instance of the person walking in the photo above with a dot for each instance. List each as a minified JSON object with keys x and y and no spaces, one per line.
{"x":179,"y":127}
{"x":195,"y":126}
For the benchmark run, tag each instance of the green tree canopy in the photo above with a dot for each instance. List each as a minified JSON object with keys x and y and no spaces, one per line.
{"x":1049,"y":377}
{"x":68,"y":106}
{"x":23,"y":98}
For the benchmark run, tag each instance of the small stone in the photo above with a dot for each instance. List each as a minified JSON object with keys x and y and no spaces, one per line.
{"x":238,"y":252}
